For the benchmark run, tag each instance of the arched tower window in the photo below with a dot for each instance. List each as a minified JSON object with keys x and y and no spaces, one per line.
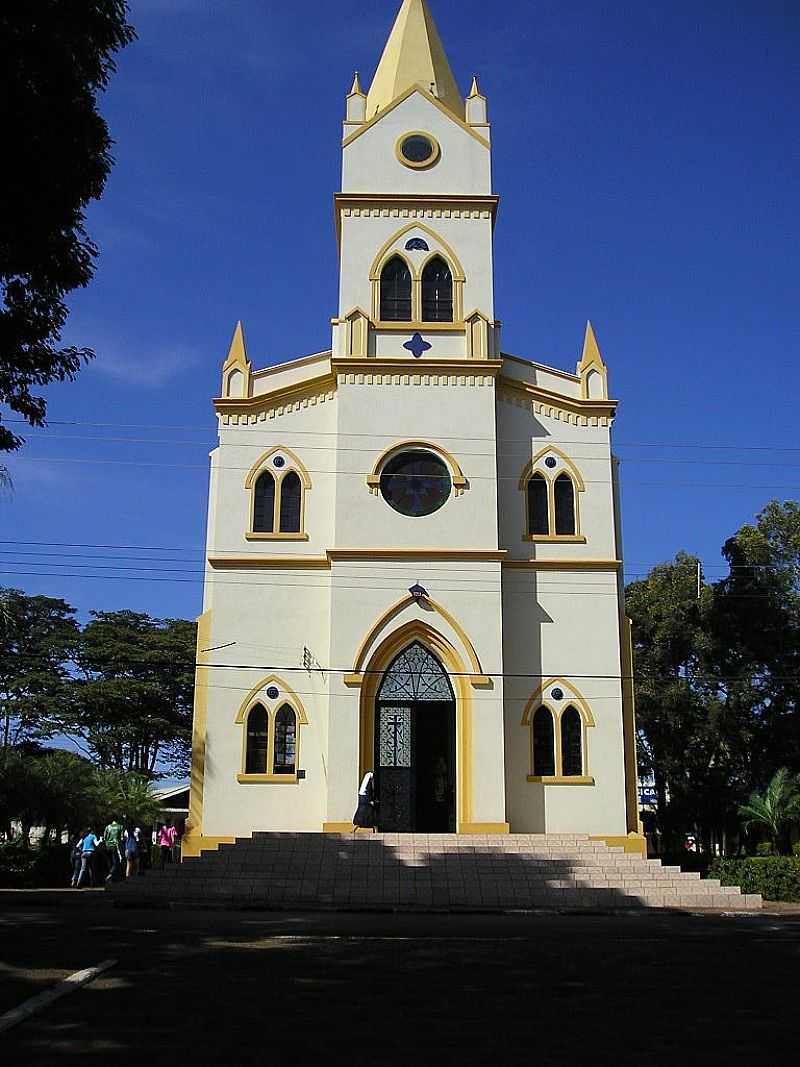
{"x":571,"y":743}
{"x":437,"y":292}
{"x":291,"y":492}
{"x":538,"y":508}
{"x":257,"y":740}
{"x":544,"y":752}
{"x":264,"y":503}
{"x":285,"y":741}
{"x":396,"y":291}
{"x":564,"y":498}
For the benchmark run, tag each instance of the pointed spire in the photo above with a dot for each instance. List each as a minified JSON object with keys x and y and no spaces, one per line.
{"x":356,"y":89}
{"x":414,"y":55}
{"x":237,"y":353}
{"x":591,"y":351}
{"x":474,"y":90}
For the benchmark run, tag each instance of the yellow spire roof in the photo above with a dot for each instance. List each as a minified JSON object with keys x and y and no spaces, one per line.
{"x":414,"y":55}
{"x":591,"y":350}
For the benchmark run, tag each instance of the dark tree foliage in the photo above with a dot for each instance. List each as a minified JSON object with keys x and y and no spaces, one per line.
{"x":38,"y":637}
{"x":55,"y":56}
{"x":132,"y":702}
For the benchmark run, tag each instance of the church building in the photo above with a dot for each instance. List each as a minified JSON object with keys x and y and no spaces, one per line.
{"x":414,"y":557}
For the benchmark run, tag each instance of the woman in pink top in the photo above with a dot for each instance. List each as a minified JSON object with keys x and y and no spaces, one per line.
{"x":166,"y":839}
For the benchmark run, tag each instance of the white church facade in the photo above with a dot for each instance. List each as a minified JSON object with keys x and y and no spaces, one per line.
{"x":414,"y":561}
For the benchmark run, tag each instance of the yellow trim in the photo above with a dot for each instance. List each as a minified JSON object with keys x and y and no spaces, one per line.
{"x":408,"y":365}
{"x":379,"y":662}
{"x":252,"y":405}
{"x":591,"y":360}
{"x":563,"y":564}
{"x":418,"y":327}
{"x":378,"y":262}
{"x":536,"y":539}
{"x":290,"y":364}
{"x":456,"y":473}
{"x":199,"y":843}
{"x":538,"y":699}
{"x":393,"y":612}
{"x":633,"y":843}
{"x":540,"y":455}
{"x":430,"y":161}
{"x":337,"y":828}
{"x":399,"y":100}
{"x":629,"y":728}
{"x":559,"y":779}
{"x":271,"y":779}
{"x":574,"y":405}
{"x":277,"y":475}
{"x":194,"y":823}
{"x":484,"y":828}
{"x":412,"y":201}
{"x":542,"y":366}
{"x":264,"y":458}
{"x":237,"y":362}
{"x":286,"y":696}
{"x":491,"y":555}
{"x":254,"y":562}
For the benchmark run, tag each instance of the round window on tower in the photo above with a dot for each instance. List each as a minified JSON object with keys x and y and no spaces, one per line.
{"x":415,"y":483}
{"x":418,"y":149}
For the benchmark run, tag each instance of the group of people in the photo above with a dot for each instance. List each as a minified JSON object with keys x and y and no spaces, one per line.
{"x":121,"y":852}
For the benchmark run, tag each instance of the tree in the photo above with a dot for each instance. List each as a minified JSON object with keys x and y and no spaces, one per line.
{"x":125,"y":795}
{"x":38,"y":636}
{"x":55,"y":58}
{"x":131,"y":703}
{"x":776,"y":809}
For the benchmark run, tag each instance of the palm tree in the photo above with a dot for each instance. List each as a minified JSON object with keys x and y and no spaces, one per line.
{"x":776,"y":809}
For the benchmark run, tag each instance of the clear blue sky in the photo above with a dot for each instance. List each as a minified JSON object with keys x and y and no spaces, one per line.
{"x":646,"y":154}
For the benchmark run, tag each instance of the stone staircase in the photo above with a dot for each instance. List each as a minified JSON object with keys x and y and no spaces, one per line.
{"x":427,"y":872}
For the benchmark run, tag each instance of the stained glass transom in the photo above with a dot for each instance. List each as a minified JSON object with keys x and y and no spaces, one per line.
{"x":394,"y":739}
{"x":415,"y":674}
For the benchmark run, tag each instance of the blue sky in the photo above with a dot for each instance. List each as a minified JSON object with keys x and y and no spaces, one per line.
{"x":646,"y":155}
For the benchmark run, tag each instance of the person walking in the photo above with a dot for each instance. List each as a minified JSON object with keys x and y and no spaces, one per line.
{"x":166,"y":839}
{"x":365,"y":812}
{"x":89,"y":845}
{"x":142,"y":850}
{"x":112,"y":839}
{"x":75,"y":860}
{"x":131,"y":852}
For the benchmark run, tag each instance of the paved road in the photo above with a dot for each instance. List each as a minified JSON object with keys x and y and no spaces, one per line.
{"x":255,"y":988}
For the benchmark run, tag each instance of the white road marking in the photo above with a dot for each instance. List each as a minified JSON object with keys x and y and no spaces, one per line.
{"x":34,"y":1005}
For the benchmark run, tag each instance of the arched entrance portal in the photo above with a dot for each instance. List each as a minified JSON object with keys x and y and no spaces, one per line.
{"x":415,"y":751}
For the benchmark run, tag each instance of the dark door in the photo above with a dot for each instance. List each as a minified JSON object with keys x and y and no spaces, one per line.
{"x":415,"y":769}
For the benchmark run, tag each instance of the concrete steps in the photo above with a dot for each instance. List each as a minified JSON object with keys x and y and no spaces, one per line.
{"x":428,"y":871}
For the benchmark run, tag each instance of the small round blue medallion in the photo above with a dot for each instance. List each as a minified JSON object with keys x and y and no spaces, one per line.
{"x":557,"y":694}
{"x":272,"y":692}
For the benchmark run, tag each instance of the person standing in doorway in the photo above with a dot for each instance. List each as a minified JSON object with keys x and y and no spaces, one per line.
{"x":365,"y":812}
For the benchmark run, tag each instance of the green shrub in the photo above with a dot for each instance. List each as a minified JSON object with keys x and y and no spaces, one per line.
{"x":796,"y":848}
{"x":765,"y":848}
{"x":45,"y":866}
{"x":774,"y":877}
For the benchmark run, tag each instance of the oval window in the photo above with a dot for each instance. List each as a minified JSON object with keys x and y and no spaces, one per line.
{"x":418,"y":150}
{"x":415,"y":483}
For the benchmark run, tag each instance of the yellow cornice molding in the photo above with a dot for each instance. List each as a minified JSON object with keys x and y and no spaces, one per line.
{"x":576,"y":564}
{"x":575,"y":378}
{"x":585,"y":408}
{"x":290,"y":364}
{"x":402,"y":365}
{"x":253,"y":405}
{"x":403,"y":97}
{"x":434,"y":201}
{"x":420,"y":555}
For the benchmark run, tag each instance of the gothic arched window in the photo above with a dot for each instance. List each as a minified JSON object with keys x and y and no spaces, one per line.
{"x":257,"y":741}
{"x":291,"y":493}
{"x":538,"y":506}
{"x":564,"y":503}
{"x":571,"y":743}
{"x":396,"y":291}
{"x":437,"y":292}
{"x":285,"y":741}
{"x":544,"y":752}
{"x":264,"y":504}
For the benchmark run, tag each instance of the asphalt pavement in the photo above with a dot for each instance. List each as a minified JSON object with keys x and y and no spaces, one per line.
{"x":212,"y":987}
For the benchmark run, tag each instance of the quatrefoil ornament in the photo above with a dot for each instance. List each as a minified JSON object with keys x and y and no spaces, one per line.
{"x":417,"y":345}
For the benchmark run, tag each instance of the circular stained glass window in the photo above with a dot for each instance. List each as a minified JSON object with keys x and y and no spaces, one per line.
{"x":557,"y":694}
{"x":417,"y":150}
{"x":415,"y":483}
{"x":550,"y":462}
{"x":272,"y":692}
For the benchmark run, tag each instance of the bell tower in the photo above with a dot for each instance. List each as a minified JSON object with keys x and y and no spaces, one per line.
{"x":415,"y":215}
